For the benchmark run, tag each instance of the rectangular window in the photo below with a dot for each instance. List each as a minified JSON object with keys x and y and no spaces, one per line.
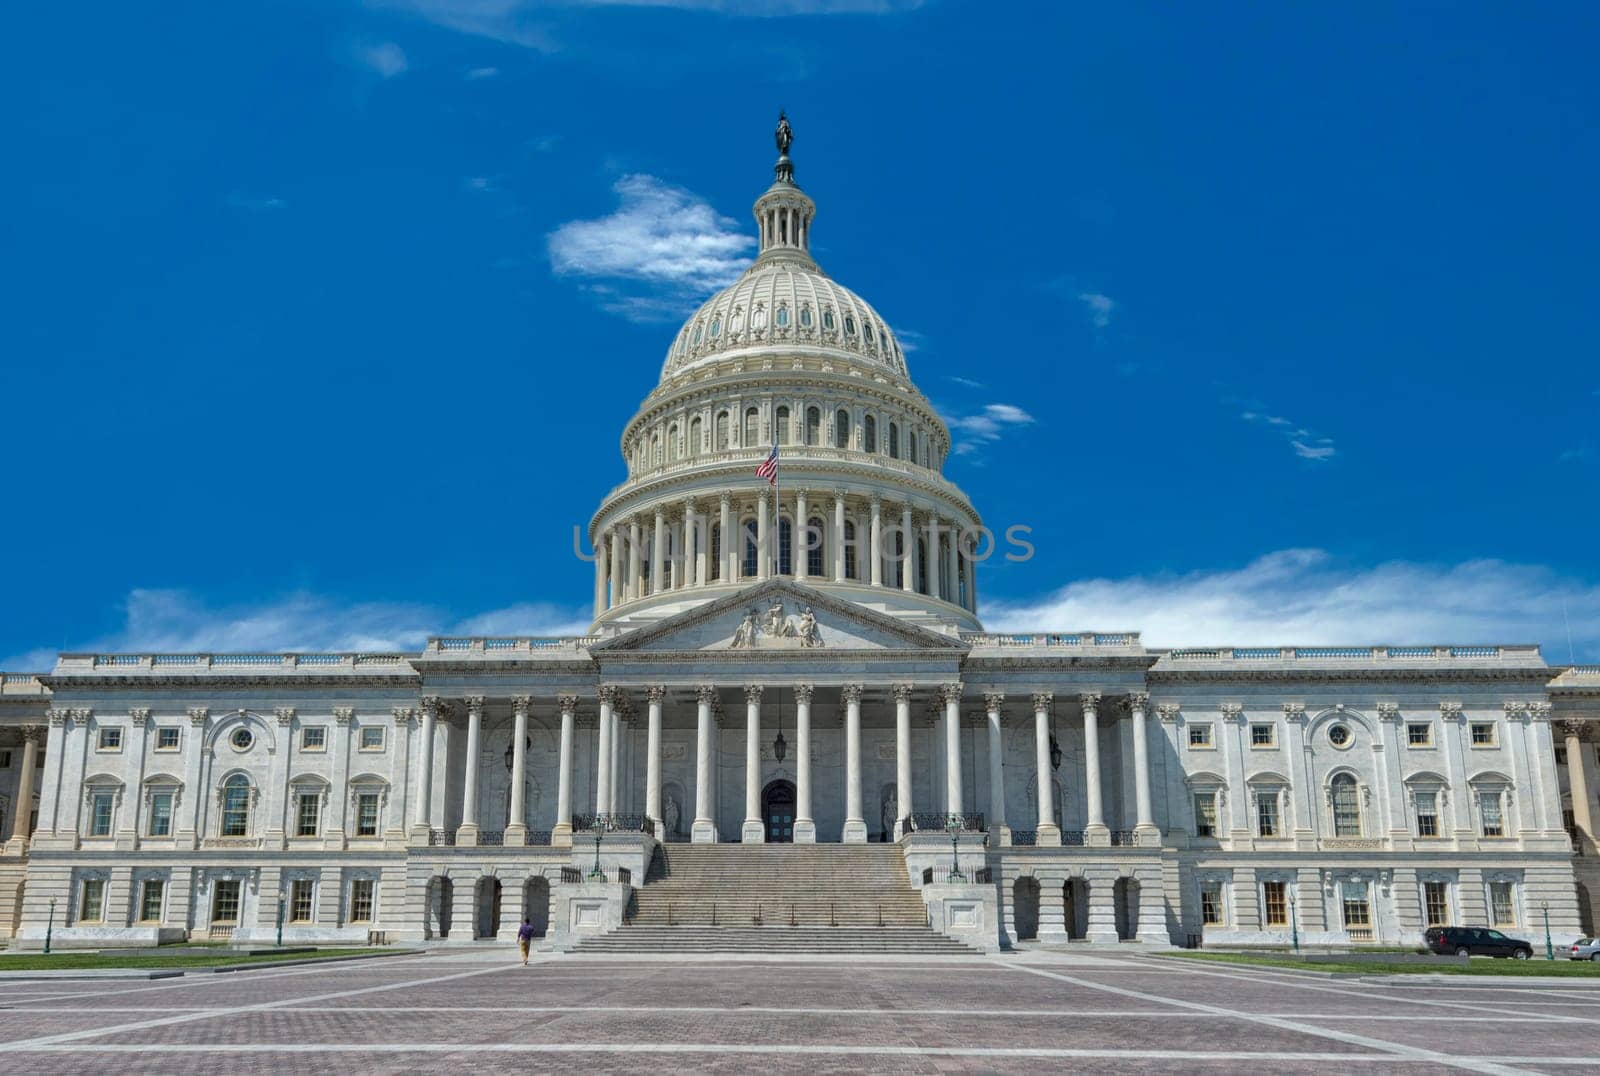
{"x":1419,"y":734}
{"x":1489,"y":811}
{"x":313,"y":738}
{"x":1263,"y":735}
{"x":100,"y":804}
{"x":5,"y":760}
{"x":1357,"y":913}
{"x":372,"y":738}
{"x":1436,"y":903}
{"x":301,"y":897}
{"x":160,"y":824}
{"x":1561,"y":756}
{"x":110,"y":739}
{"x":150,"y":900}
{"x":1427,"y":814}
{"x":1199,"y":735}
{"x":1502,"y":913}
{"x":361,"y":900}
{"x":1483,"y":734}
{"x":1275,"y":903}
{"x":1267,"y":813}
{"x":167,"y":738}
{"x":308,"y":814}
{"x":1211,"y":903}
{"x":367,"y":814}
{"x":225,"y":901}
{"x":91,"y":901}
{"x":1205,"y":814}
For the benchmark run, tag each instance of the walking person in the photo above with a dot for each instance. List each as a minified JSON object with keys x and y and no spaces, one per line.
{"x":525,"y":939}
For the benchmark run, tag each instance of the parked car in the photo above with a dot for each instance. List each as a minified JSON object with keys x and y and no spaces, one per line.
{"x":1585,"y":949}
{"x":1476,"y":941}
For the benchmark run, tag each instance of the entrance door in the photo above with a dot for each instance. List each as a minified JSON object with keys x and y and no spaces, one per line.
{"x":777,"y":811}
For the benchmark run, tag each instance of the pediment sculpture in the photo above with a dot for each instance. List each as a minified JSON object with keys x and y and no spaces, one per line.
{"x":777,"y":628}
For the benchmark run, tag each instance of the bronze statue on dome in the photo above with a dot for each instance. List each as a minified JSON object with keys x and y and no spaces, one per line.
{"x":784,"y":135}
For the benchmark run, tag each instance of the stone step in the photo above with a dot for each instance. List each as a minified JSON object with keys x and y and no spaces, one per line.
{"x":824,"y":940}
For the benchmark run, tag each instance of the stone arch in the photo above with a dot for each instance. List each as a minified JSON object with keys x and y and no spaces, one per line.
{"x":536,"y":904}
{"x":263,"y":730}
{"x":487,"y":894}
{"x":1075,"y":901}
{"x":440,"y":912}
{"x":1025,"y":908}
{"x":1341,"y":713}
{"x":1125,"y":898}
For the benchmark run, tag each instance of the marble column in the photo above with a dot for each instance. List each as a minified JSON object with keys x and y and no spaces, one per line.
{"x":517,"y":824}
{"x":619,"y":593}
{"x":430,"y":716}
{"x":1145,"y":828}
{"x":855,"y":826}
{"x":875,"y":554}
{"x":800,"y":538}
{"x":619,"y":716}
{"x":658,"y":553}
{"x":726,"y":572}
{"x":902,"y":758}
{"x":694,"y":561}
{"x":561,"y":833}
{"x":704,"y":830}
{"x":652,"y":764}
{"x":761,"y":534}
{"x":997,"y":769}
{"x":952,"y":748}
{"x":599,"y":575}
{"x":1044,"y":783}
{"x":602,"y":776}
{"x":1095,"y":831}
{"x":838,"y":536}
{"x":805,"y":827}
{"x":23,"y":807}
{"x":934,"y":564}
{"x":1578,"y":785}
{"x":633,"y":588}
{"x":467,"y":833}
{"x":754,"y":830}
{"x":908,"y":552}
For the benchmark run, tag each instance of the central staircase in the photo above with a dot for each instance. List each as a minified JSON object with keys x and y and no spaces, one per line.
{"x":788,"y":898}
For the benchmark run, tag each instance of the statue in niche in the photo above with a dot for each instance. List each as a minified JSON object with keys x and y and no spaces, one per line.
{"x":671,"y":815}
{"x":745,"y":637}
{"x":886,"y":811}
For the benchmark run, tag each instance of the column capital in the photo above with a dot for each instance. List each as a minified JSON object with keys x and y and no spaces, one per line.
{"x":32,"y":733}
{"x":1513,"y":708}
{"x":951,"y":692}
{"x":1294,"y":711}
{"x":1450,"y":711}
{"x":198,"y":716}
{"x":1539,"y":710}
{"x":1043,"y":700}
{"x":1089,"y":700}
{"x":285,"y":716}
{"x":343,"y":715}
{"x":902,"y":692}
{"x":521,"y":704}
{"x":725,"y":499}
{"x":474,"y":705}
{"x":1138,"y":700}
{"x":839,"y":493}
{"x":608,"y":695}
{"x":851,"y":693}
{"x":876,"y":502}
{"x":1574,"y":730}
{"x":404,"y":716}
{"x":1388,"y":711}
{"x":764,"y":494}
{"x":1232,"y":711}
{"x":655,"y":693}
{"x":752,"y":693}
{"x":139,"y":716}
{"x":802,"y":692}
{"x":688,"y":506}
{"x":55,"y":717}
{"x":567,"y":703}
{"x":705,"y":694}
{"x":1168,"y":711}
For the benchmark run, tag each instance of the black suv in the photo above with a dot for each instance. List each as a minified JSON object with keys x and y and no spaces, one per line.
{"x":1475,"y":941}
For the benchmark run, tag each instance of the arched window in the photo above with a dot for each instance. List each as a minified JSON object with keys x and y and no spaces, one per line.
{"x":1346,"y":800}
{"x":805,"y":317}
{"x":815,"y":529}
{"x":752,"y":427}
{"x":720,"y":435}
{"x":783,"y":425}
{"x":785,"y":546}
{"x":894,"y":440}
{"x":235,"y":807}
{"x":750,"y":548}
{"x":899,"y":567}
{"x":849,"y":549}
{"x":849,"y":325}
{"x":827,"y":319}
{"x":866,"y":334}
{"x":841,"y":429}
{"x":714,"y":568}
{"x":694,"y":436}
{"x":781,"y":318}
{"x":870,"y":435}
{"x":813,"y":426}
{"x":961,"y":582}
{"x":673,"y":451}
{"x":911,"y":454}
{"x":655,"y":449}
{"x":716,"y":327}
{"x":922,"y":566}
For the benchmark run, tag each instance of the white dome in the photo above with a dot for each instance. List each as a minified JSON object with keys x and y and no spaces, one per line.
{"x":785,"y":303}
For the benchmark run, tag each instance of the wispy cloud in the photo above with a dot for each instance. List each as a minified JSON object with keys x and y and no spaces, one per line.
{"x":254,"y":203}
{"x":910,"y":340}
{"x":986,"y":427}
{"x":965,"y":382}
{"x":1305,"y":597}
{"x":481,"y":184}
{"x":478,"y":74}
{"x":387,"y":59}
{"x":664,"y":237}
{"x":1305,"y":443}
{"x":1100,"y":307}
{"x":1577,"y":453}
{"x":177,"y":621}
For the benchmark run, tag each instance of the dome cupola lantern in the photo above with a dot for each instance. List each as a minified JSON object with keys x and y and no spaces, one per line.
{"x":784,"y":212}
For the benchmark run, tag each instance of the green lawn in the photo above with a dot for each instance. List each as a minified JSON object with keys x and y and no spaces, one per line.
{"x":1576,"y":969}
{"x":80,"y":961}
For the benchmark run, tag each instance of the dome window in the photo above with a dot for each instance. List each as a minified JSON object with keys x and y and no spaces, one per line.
{"x":827,"y":320}
{"x":782,"y":317}
{"x":695,"y":340}
{"x":849,"y":325}
{"x":758,"y":318}
{"x":805,"y":317}
{"x":716,"y":328}
{"x":736,"y":322}
{"x":883,"y":341}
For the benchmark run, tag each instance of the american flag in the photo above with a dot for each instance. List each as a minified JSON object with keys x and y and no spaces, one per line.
{"x":769,"y":466}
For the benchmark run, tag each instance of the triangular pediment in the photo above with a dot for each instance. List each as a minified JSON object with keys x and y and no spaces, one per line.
{"x":777,"y":616}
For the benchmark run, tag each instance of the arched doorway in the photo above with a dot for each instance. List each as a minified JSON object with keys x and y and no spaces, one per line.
{"x":1585,"y":910}
{"x":536,"y":904}
{"x":1025,"y":908}
{"x":443,"y":905}
{"x":488,"y":908}
{"x":777,"y":811}
{"x":1076,"y":912}
{"x":1125,"y":894}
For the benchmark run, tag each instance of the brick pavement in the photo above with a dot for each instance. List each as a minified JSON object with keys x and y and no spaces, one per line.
{"x":1124,"y":1013}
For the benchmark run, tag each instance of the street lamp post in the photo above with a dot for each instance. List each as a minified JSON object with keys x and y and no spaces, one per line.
{"x":1549,"y":950}
{"x":596,"y":874}
{"x":1294,"y":927}
{"x":954,"y":825}
{"x":50,"y":926}
{"x":280,"y":923}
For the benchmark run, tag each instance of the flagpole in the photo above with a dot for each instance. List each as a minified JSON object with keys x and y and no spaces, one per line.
{"x":777,"y":507}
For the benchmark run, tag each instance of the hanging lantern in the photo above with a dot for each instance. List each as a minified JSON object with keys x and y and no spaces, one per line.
{"x":780,"y":746}
{"x":1055,"y":753}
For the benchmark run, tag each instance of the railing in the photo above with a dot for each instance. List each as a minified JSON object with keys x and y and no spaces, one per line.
{"x":1347,"y":653}
{"x":70,"y":662}
{"x":1024,"y":838}
{"x":441,"y":838}
{"x":491,"y":838}
{"x":611,"y":823}
{"x":1051,"y":640}
{"x":1072,"y":838}
{"x":1359,"y":934}
{"x":624,"y":875}
{"x":571,"y":876}
{"x":1124,"y":838}
{"x":1334,"y":844}
{"x":963,"y":823}
{"x":518,"y":644}
{"x":982,"y":876}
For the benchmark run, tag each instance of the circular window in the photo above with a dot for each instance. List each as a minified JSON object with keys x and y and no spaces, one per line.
{"x":241,"y":739}
{"x":1339,"y":735}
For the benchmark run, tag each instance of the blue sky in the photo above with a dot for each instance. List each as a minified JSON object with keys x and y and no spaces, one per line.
{"x":1275,"y":323}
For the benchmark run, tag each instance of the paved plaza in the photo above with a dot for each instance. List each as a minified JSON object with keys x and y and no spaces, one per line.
{"x":1015,"y":1013}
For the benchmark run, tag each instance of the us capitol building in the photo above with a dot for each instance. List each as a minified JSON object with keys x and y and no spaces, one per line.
{"x":803,"y":664}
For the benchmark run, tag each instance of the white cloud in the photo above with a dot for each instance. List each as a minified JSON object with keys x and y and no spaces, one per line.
{"x":176,"y":621}
{"x":1305,"y":444}
{"x":481,"y":184}
{"x":477,"y":74}
{"x":662,"y":236}
{"x":387,"y":59}
{"x":910,"y":339}
{"x":985,"y":427}
{"x":1099,"y":306}
{"x":1303,"y":597}
{"x":255,"y":204}
{"x":967,"y":382}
